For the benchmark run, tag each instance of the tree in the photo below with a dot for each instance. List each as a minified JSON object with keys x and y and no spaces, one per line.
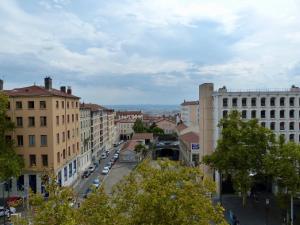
{"x":240,"y":151}
{"x":158,"y":131}
{"x":140,"y":148}
{"x":138,"y":126}
{"x":165,"y":193}
{"x":283,"y":164}
{"x":10,"y":163}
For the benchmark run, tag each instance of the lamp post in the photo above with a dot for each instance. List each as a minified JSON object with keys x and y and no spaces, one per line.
{"x":267,"y":210}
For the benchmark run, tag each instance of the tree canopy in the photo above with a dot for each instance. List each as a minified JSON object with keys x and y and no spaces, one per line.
{"x":139,"y":127}
{"x":10,"y":163}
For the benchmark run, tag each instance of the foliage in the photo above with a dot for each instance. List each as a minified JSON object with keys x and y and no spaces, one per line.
{"x":10,"y":163}
{"x":166,"y":193}
{"x":157,"y":131}
{"x":139,"y":127}
{"x":240,"y":150}
{"x":140,"y":148}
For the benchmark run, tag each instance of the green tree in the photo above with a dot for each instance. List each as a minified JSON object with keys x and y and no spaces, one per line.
{"x":240,"y":151}
{"x":140,"y":148}
{"x":10,"y":163}
{"x":138,"y":126}
{"x":157,"y":131}
{"x":165,"y":193}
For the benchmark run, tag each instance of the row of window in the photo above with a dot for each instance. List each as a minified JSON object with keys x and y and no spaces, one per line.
{"x":282,"y":125}
{"x":263,"y":114}
{"x":64,"y":152}
{"x":31,"y":121}
{"x":68,"y":104}
{"x":42,"y":104}
{"x":32,"y":160}
{"x":68,"y":119}
{"x":31,"y":140}
{"x":263,"y":101}
{"x":63,"y":135}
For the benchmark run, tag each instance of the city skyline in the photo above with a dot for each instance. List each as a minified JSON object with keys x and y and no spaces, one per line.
{"x":132,"y":52}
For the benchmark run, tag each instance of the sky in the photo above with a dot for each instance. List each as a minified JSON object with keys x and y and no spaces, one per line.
{"x":149,"y":51}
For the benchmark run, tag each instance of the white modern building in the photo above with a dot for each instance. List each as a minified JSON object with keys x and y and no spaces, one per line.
{"x":85,"y":157}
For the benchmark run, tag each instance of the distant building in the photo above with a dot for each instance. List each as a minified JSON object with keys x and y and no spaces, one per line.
{"x":127,"y":153}
{"x":169,"y":126}
{"x":189,"y":148}
{"x":124,"y":128}
{"x":190,"y":113}
{"x":131,"y":115}
{"x":47,"y":134}
{"x":145,"y":138}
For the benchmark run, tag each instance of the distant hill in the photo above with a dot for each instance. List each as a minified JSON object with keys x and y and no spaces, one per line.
{"x":149,"y":109}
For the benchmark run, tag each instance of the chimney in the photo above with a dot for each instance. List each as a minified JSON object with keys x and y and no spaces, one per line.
{"x":48,"y":83}
{"x":1,"y":85}
{"x":63,"y":89}
{"x":69,"y":90}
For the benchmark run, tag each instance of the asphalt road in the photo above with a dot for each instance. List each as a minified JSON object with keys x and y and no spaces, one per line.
{"x":85,"y":183}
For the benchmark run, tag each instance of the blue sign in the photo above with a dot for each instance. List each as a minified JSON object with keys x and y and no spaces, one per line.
{"x":195,"y":146}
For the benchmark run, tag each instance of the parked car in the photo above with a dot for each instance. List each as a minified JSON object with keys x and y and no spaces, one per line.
{"x":105,"y":171}
{"x":87,"y":192}
{"x":91,"y":168}
{"x":7,"y":211}
{"x":118,"y":151}
{"x":86,"y":174}
{"x":116,"y":144}
{"x":96,"y":164}
{"x":103,"y":155}
{"x":96,"y":183}
{"x":113,"y":160}
{"x":109,"y":165}
{"x":116,"y":156}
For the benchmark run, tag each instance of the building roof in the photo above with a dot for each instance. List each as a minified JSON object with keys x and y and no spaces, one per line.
{"x":164,"y":119}
{"x":142,"y":136}
{"x":185,"y":103}
{"x":190,"y":137}
{"x":130,"y":145}
{"x":129,"y":113}
{"x":181,"y":127}
{"x":90,"y":106}
{"x":37,"y":91}
{"x":125,"y":121}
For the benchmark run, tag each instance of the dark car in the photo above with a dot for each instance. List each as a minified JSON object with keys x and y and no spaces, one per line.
{"x":87,"y":192}
{"x":86,"y":174}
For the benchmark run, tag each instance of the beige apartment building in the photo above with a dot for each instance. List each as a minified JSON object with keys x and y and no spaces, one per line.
{"x":47,"y":134}
{"x":124,"y":128}
{"x":111,"y":128}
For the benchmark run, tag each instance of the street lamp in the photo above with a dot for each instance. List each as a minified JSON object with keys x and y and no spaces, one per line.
{"x":267,"y":210}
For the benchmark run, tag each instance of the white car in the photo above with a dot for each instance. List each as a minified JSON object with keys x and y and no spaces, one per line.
{"x":96,"y":183}
{"x":105,"y":171}
{"x":116,"y":156}
{"x":6,"y":212}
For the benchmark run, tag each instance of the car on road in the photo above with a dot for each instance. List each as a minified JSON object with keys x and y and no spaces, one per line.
{"x":96,"y":183}
{"x":7,"y":211}
{"x":86,"y":174}
{"x":116,"y":156}
{"x":116,"y":144}
{"x":103,"y":155}
{"x":113,"y":160}
{"x":118,"y":151}
{"x":109,"y":165}
{"x":105,"y":171}
{"x":91,"y":168}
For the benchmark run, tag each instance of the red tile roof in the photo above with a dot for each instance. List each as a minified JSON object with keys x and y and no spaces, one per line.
{"x":142,"y":136}
{"x":125,"y":121}
{"x":190,"y":137}
{"x":181,"y":127}
{"x":190,"y":103}
{"x":129,"y":113}
{"x":130,"y":145}
{"x":37,"y":91}
{"x":92,"y":107}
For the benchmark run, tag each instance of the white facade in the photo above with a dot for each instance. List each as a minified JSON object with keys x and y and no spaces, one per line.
{"x":190,"y":113}
{"x":85,"y":157}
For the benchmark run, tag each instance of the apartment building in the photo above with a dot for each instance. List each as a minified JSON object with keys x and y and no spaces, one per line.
{"x":111,"y":128}
{"x":133,"y":115}
{"x":85,"y":157}
{"x":124,"y":128}
{"x":278,"y":110}
{"x":47,"y":134}
{"x":189,"y":111}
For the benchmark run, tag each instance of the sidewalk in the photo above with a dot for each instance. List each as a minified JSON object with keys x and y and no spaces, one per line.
{"x":254,"y":213}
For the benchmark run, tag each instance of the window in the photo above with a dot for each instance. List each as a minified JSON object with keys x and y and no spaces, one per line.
{"x":32,"y":160}
{"x":65,"y":173}
{"x":292,"y":101}
{"x":76,"y":104}
{"x":263,"y":113}
{"x":272,"y":114}
{"x":69,"y":151}
{"x":225,"y":112}
{"x":234,"y":102}
{"x":57,"y":120}
{"x":20,"y":140}
{"x":73,"y":148}
{"x":63,"y":119}
{"x":64,"y":154}
{"x":281,"y":113}
{"x":244,"y":114}
{"x":281,"y":125}
{"x":42,"y":104}
{"x":263,"y":124}
{"x":57,"y":104}
{"x":57,"y":138}
{"x":19,"y":121}
{"x":63,"y":104}
{"x":68,"y":134}
{"x":30,"y":104}
{"x":31,"y":121}
{"x":43,"y":120}
{"x":292,"y":126}
{"x":253,"y":114}
{"x":292,"y":137}
{"x":43,"y":140}
{"x":282,"y":99}
{"x":272,"y":101}
{"x":225,"y":102}
{"x":253,"y":101}
{"x":58,"y":157}
{"x":77,"y":146}
{"x":72,"y":117}
{"x":263,"y":102}
{"x":72,"y":104}
{"x":68,"y":118}
{"x":63,"y":137}
{"x":45,"y":160}
{"x":76,"y":116}
{"x":272,"y":125}
{"x":292,"y":113}
{"x":244,"y":101}
{"x":31,"y":140}
{"x":18,"y":105}
{"x":70,"y":170}
{"x":68,"y":104}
